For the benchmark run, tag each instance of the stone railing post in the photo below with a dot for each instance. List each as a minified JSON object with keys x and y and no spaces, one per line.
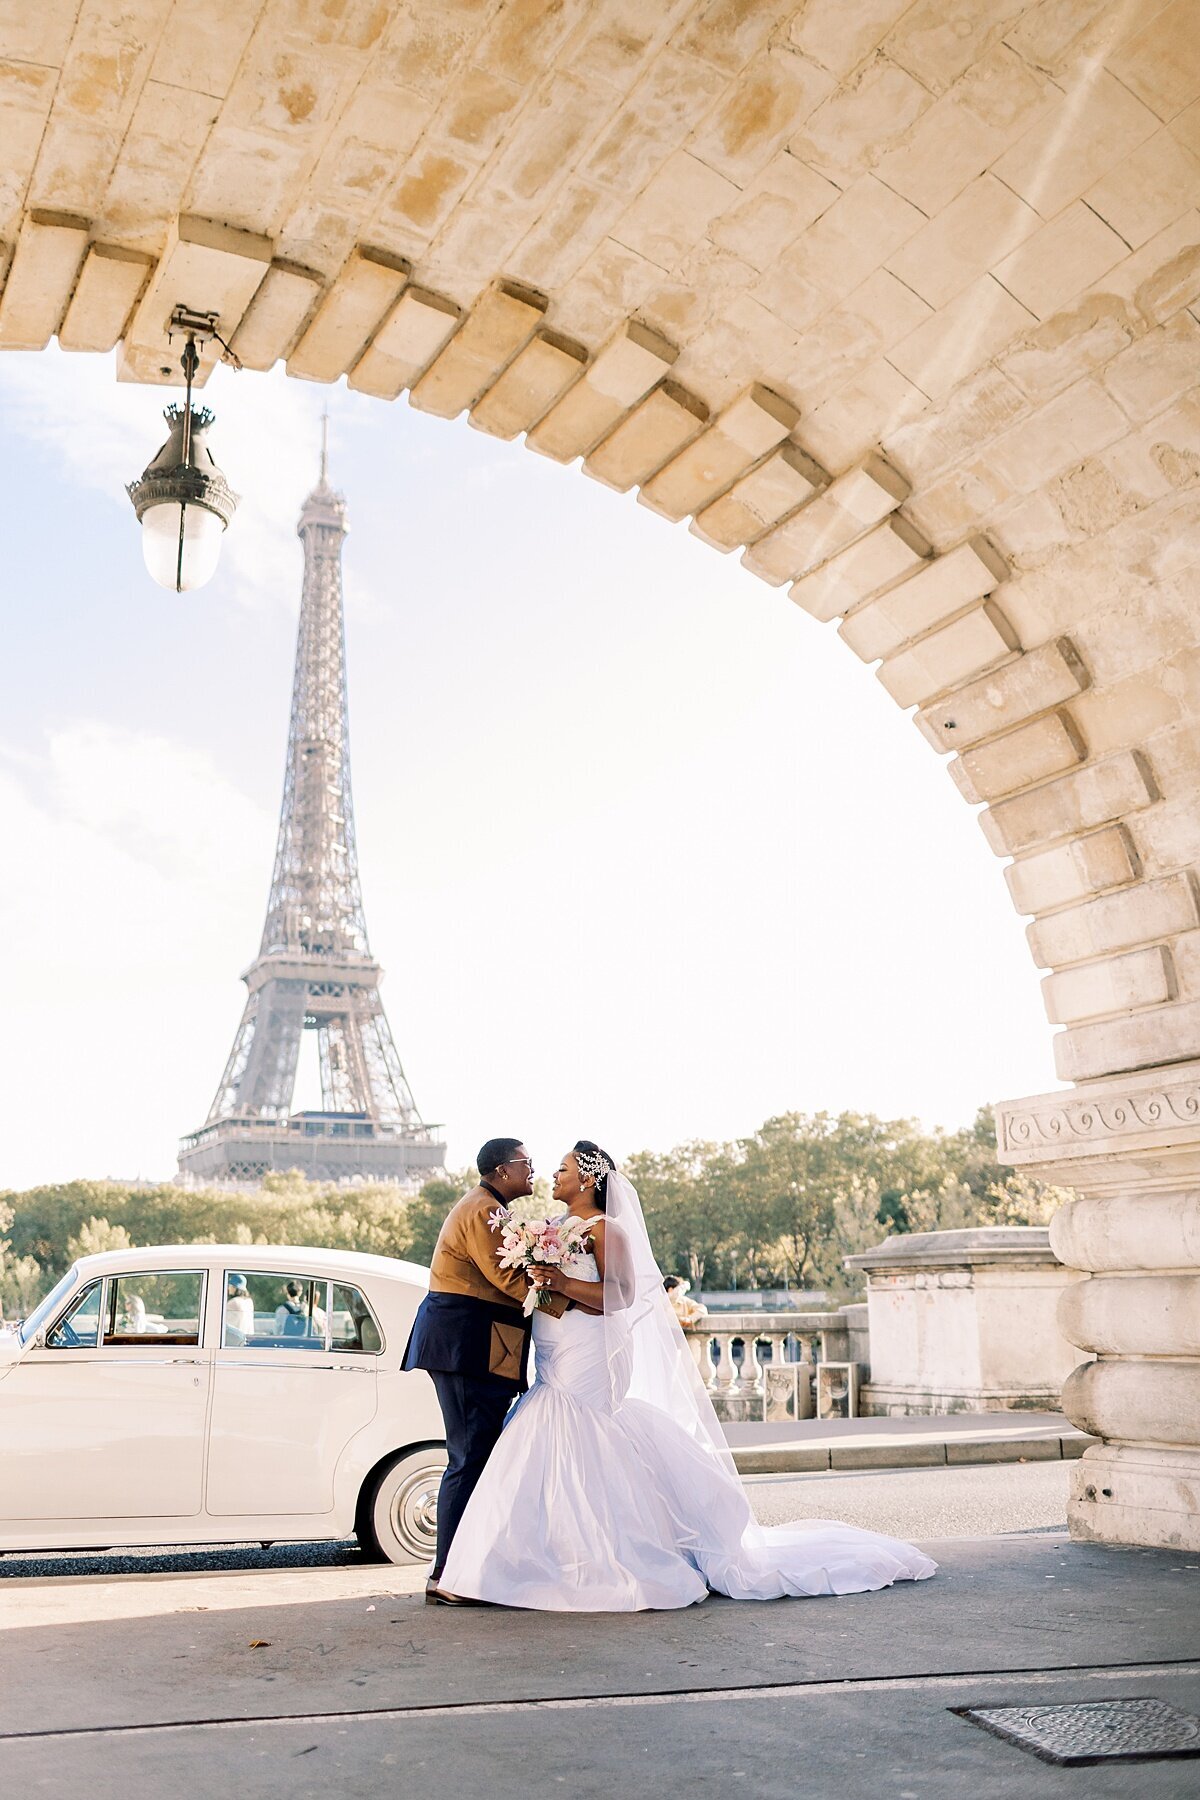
{"x":1129,"y":1146}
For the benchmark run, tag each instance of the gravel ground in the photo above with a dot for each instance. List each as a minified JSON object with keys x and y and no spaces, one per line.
{"x":908,"y":1503}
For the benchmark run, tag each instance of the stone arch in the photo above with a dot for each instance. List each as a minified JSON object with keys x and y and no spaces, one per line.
{"x":901,"y":305}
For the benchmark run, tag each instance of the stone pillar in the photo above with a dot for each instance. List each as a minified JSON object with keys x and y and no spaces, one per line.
{"x":1129,"y":1146}
{"x":964,"y":1321}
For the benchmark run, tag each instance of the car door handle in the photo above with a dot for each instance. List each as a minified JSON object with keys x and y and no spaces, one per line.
{"x":191,"y":1360}
{"x":351,"y":1369}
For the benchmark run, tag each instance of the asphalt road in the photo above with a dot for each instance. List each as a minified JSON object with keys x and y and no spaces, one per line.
{"x":909,"y":1503}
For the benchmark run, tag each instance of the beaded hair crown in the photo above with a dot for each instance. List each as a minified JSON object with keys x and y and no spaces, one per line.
{"x":593,"y":1164}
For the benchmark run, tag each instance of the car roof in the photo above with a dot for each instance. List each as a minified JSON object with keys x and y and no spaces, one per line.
{"x":272,"y":1259}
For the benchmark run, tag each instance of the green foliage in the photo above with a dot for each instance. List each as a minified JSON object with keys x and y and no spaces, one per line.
{"x":46,"y":1228}
{"x":787,"y":1204}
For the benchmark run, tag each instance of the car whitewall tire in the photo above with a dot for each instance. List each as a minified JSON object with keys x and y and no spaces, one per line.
{"x":398,"y":1524}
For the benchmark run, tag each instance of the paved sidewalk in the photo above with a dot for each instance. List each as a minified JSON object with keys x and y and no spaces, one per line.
{"x":812,"y":1445}
{"x":304,"y":1684}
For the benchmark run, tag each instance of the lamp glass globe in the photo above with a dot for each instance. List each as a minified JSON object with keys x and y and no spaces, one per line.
{"x":172,"y":568}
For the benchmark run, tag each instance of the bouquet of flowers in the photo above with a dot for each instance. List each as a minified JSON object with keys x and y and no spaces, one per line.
{"x":536,"y":1244}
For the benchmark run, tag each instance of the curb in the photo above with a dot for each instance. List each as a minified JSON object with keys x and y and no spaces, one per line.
{"x":800,"y":1459}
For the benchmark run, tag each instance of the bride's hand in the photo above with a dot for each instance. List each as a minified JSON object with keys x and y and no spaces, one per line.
{"x":547,"y":1277}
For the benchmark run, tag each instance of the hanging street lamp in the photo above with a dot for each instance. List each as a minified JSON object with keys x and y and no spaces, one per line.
{"x":182,"y":500}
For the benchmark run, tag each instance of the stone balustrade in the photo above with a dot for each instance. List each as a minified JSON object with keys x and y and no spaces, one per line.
{"x":789,"y":1339}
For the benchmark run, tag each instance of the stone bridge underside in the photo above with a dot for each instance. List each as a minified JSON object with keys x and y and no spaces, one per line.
{"x":900,"y":303}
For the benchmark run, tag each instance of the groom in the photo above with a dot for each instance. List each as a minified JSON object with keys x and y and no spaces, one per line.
{"x":471,"y":1335}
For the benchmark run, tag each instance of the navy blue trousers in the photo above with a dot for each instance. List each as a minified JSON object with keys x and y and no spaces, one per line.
{"x":474,"y":1409}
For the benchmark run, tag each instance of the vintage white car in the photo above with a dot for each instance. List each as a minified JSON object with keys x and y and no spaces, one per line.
{"x":200,"y":1393}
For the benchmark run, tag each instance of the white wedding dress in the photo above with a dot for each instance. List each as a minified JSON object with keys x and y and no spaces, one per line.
{"x":597,"y":1500}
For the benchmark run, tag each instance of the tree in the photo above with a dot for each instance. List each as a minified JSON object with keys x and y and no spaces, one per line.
{"x":95,"y":1235}
{"x":21,"y":1280}
{"x":686,"y":1197}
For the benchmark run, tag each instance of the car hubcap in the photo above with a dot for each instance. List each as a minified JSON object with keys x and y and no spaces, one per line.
{"x":413,"y":1512}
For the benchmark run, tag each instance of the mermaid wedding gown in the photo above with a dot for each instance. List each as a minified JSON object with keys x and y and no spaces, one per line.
{"x":598,"y":1500}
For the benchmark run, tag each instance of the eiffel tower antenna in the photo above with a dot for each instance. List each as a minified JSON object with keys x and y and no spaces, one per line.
{"x":314,"y":970}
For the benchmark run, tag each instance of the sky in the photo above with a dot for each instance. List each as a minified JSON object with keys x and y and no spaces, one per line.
{"x":647,"y":854}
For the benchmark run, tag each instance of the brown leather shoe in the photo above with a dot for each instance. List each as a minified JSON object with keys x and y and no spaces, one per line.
{"x":431,"y":1590}
{"x":443,"y":1597}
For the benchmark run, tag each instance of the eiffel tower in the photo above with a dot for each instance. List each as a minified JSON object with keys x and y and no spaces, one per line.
{"x":314,"y":970}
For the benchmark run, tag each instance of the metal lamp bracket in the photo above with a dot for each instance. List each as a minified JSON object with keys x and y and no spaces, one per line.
{"x":198,"y":328}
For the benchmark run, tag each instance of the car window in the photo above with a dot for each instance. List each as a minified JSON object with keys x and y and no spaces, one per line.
{"x":46,"y":1309}
{"x":152,"y":1308}
{"x":352,"y":1324}
{"x":273,"y":1312}
{"x":76,"y":1330}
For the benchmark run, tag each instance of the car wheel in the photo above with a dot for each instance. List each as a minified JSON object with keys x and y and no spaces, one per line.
{"x":399,"y":1522}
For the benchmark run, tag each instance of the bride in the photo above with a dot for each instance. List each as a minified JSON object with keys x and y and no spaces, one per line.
{"x":612,"y":1488}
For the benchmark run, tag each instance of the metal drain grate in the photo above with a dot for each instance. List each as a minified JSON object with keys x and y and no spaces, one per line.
{"x":1092,"y":1731}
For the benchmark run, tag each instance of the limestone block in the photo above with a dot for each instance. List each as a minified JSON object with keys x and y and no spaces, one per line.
{"x":956,"y":653}
{"x":1074,"y":144}
{"x":875,"y":400}
{"x":877,"y":561}
{"x":667,"y":419}
{"x":860,"y":498}
{"x":205,"y":265}
{"x":769,"y":99}
{"x":1076,"y":343}
{"x":500,"y":324}
{"x":1105,"y":791}
{"x":967,"y":239}
{"x":675,"y":209}
{"x":1122,"y":1233}
{"x":846,"y":134}
{"x":413,"y":333}
{"x":107,"y":291}
{"x":1147,"y":191}
{"x":837,"y":39}
{"x":1126,"y":983}
{"x":837,"y":254}
{"x":941,"y":439}
{"x":1153,"y":909}
{"x":934,"y":594}
{"x":745,"y":432}
{"x":1127,"y":1494}
{"x":785,"y":481}
{"x":949,"y":146}
{"x":1157,"y":369}
{"x":960,"y":337}
{"x":1063,"y":432}
{"x":1133,"y":1315}
{"x":368,"y":286}
{"x":623,"y":373}
{"x":1161,"y":62}
{"x":41,"y":276}
{"x":1160,"y":277}
{"x":1067,"y":255}
{"x":1043,"y":678}
{"x":201,"y":46}
{"x":1035,"y":752}
{"x":783,"y":200}
{"x":276,"y":316}
{"x":1136,"y":1401}
{"x":1089,"y":865}
{"x":1167,"y":1034}
{"x":537,"y":376}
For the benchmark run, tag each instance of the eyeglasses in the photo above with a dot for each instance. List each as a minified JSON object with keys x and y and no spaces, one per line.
{"x":515,"y":1161}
